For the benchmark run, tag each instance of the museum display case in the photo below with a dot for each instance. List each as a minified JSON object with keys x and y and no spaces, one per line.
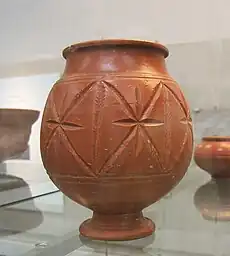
{"x":120,"y":144}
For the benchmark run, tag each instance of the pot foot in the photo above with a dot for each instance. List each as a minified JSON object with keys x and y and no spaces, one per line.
{"x":118,"y":227}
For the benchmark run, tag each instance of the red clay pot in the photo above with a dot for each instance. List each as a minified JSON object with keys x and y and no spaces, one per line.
{"x":213,"y":156}
{"x":116,"y":134}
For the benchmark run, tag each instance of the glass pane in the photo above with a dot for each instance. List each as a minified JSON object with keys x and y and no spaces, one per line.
{"x":119,"y":144}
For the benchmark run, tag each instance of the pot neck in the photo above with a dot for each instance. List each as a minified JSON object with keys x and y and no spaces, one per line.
{"x":116,"y":59}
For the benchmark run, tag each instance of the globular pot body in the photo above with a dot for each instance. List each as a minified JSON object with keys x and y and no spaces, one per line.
{"x":213,"y":156}
{"x":116,"y":134}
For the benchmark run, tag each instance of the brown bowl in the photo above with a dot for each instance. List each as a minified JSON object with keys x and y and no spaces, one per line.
{"x":213,"y":156}
{"x":15,"y":129}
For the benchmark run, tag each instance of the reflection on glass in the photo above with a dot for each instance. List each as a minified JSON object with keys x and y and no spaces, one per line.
{"x":213,"y":200}
{"x":133,"y":247}
{"x":16,"y":220}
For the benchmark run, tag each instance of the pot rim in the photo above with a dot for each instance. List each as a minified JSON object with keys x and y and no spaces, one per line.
{"x":110,"y":42}
{"x":20,"y":113}
{"x":19,"y":110}
{"x":216,"y":138}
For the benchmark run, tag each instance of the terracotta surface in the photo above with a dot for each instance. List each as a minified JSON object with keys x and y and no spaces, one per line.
{"x":116,"y":134}
{"x":213,"y":200}
{"x":15,"y":129}
{"x":213,"y":156}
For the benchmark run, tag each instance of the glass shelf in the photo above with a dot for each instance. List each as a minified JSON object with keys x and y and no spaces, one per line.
{"x":48,"y":225}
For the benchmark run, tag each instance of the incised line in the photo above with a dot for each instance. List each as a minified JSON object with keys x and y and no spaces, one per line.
{"x":97,"y":119}
{"x":167,"y":131}
{"x":127,"y":108}
{"x":117,"y":152}
{"x":78,"y":99}
{"x":137,"y":103}
{"x":177,"y":98}
{"x":153,"y":148}
{"x":76,"y":156}
{"x":152,"y":101}
{"x":131,"y":122}
{"x":124,"y":75}
{"x":48,"y":141}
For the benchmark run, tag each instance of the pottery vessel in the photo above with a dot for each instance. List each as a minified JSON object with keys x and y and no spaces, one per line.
{"x":15,"y":129}
{"x":116,"y":134}
{"x":213,"y":156}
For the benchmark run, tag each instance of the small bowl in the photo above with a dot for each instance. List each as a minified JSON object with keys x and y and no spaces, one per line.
{"x":15,"y":130}
{"x":213,"y":156}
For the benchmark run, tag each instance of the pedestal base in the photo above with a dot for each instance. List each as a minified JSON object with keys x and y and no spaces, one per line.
{"x":117,"y":227}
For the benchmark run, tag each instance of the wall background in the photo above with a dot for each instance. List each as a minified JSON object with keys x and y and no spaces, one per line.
{"x":33,"y":34}
{"x":32,"y":30}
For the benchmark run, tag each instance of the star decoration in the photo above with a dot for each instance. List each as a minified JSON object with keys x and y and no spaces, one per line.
{"x":64,"y":125}
{"x":139,"y":124}
{"x":140,"y":120}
